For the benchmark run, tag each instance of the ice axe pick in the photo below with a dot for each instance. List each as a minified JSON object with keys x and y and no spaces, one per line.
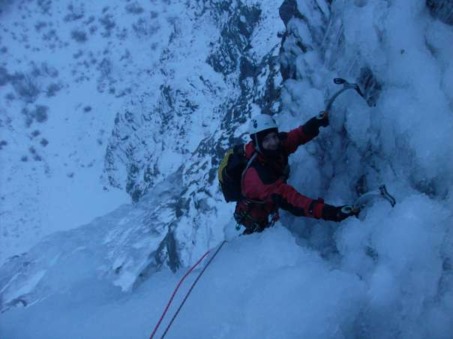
{"x":346,"y":86}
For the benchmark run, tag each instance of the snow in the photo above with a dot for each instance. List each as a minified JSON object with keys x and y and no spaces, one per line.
{"x":269,"y":281}
{"x":313,"y":292}
{"x":386,"y":274}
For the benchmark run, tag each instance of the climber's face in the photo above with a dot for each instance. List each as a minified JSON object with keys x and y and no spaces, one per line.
{"x":271,"y":142}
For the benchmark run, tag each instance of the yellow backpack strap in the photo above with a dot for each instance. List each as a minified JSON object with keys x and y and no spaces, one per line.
{"x":224,"y":163}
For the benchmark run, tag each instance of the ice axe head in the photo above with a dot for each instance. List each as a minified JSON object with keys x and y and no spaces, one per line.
{"x":339,"y":81}
{"x":346,"y":84}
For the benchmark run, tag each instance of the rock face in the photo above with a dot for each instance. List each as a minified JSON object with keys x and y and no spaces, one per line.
{"x":165,"y":124}
{"x":185,"y":124}
{"x":180,"y":114}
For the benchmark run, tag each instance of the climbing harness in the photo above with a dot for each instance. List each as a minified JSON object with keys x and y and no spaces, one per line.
{"x":244,"y":218}
{"x":188,"y":292}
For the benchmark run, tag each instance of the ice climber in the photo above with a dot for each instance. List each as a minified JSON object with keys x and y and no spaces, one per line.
{"x":264,"y":184}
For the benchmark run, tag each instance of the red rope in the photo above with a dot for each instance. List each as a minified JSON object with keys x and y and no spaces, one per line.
{"x":191,"y":289}
{"x":174,"y":293}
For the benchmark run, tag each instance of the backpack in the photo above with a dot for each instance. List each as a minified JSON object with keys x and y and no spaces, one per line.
{"x":230,"y":171}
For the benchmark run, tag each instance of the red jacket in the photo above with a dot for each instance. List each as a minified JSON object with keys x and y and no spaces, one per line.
{"x":264,"y":184}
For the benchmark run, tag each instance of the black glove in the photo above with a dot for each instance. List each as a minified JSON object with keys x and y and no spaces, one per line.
{"x":311,"y":127}
{"x":339,"y":213}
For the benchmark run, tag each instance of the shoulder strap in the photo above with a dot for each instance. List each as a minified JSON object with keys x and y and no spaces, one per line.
{"x":249,"y":163}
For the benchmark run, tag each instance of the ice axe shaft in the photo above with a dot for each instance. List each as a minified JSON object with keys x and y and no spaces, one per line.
{"x":346,"y":86}
{"x":381,"y":192}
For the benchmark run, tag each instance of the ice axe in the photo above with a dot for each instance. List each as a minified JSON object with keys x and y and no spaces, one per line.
{"x":346,"y":86}
{"x":380,"y":193}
